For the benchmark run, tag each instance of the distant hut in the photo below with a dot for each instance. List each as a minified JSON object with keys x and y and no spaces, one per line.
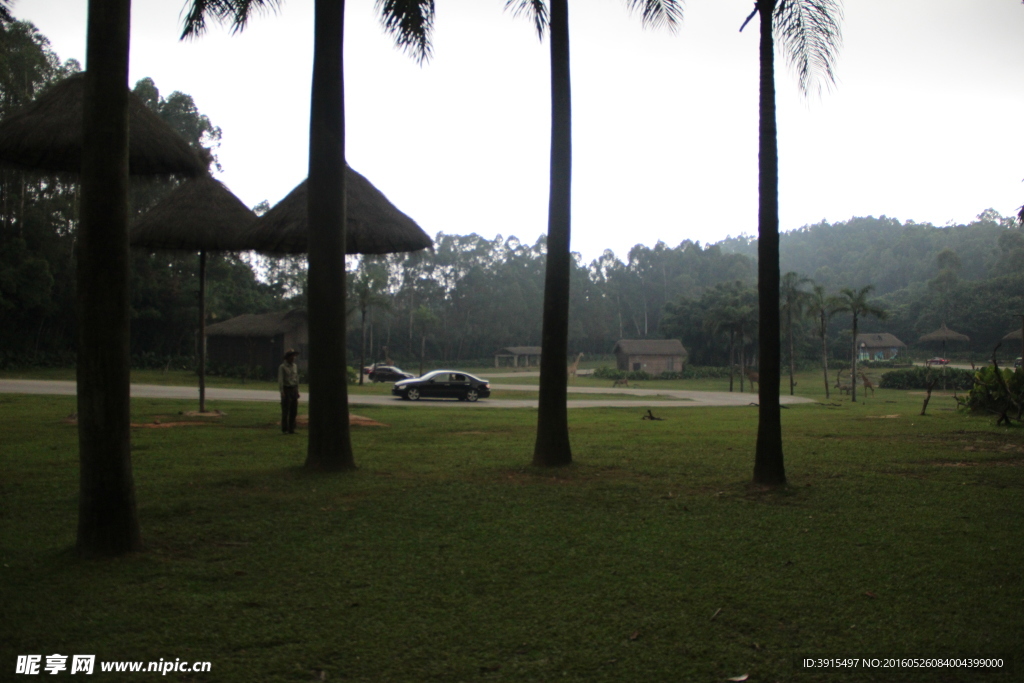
{"x":653,"y":356}
{"x":943,"y":335}
{"x":878,"y":346}
{"x":257,"y":342}
{"x":47,"y":134}
{"x":511,"y":355}
{"x":374,"y":224}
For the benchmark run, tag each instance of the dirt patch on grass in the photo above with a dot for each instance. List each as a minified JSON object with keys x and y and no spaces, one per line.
{"x":359,"y":420}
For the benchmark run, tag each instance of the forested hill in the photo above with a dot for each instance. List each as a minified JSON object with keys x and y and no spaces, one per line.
{"x":892,"y":255}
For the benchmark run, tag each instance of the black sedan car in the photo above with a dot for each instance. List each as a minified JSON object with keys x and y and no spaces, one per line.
{"x":443,"y":384}
{"x":387,"y":373}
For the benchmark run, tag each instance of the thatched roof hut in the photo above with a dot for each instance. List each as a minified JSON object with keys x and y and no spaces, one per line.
{"x":200,"y":214}
{"x":47,"y":135}
{"x":375,"y":225}
{"x":1013,"y":336}
{"x":944,"y":334}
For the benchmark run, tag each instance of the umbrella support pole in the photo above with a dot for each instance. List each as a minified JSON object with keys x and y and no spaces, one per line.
{"x":202,"y":330}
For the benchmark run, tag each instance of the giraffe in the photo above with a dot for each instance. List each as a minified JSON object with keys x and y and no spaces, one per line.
{"x":571,"y":372}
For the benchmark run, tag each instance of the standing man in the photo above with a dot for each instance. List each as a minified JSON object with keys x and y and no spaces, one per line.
{"x":288,"y":383}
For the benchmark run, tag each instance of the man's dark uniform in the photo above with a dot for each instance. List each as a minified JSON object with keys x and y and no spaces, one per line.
{"x":288,"y":382}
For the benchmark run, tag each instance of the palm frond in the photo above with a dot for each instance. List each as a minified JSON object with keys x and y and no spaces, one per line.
{"x":5,"y":11}
{"x":411,"y":23}
{"x":658,"y":13}
{"x":534,"y":9}
{"x":811,"y":35}
{"x":235,"y":12}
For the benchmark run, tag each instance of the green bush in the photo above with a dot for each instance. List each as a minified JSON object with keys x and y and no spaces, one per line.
{"x":920,"y":378}
{"x":988,"y":394}
{"x":688,"y":372}
{"x":605,"y":372}
{"x":886,"y":364}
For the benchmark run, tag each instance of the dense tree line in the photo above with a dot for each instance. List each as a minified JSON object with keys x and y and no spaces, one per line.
{"x":38,"y":224}
{"x":472,"y":295}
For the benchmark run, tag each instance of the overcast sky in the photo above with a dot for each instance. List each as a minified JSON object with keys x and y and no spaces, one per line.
{"x":923,"y":123}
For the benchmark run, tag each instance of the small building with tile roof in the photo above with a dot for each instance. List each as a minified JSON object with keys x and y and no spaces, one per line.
{"x":653,"y":356}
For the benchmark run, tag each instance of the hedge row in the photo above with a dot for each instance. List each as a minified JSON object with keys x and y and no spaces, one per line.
{"x":689,"y":372}
{"x":920,"y":378}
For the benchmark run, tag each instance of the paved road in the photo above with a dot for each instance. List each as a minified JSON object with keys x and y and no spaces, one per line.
{"x":670,"y":398}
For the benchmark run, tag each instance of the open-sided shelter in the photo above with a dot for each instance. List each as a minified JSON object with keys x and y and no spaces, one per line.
{"x":512,"y":355}
{"x":200,"y":215}
{"x":943,"y":335}
{"x":47,"y":135}
{"x":653,"y":356}
{"x":374,"y":224}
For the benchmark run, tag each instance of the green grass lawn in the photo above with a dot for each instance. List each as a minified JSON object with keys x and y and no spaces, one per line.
{"x":446,"y":557}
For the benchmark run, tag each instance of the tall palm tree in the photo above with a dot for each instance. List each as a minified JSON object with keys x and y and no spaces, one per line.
{"x":822,"y":307}
{"x":411,"y":24}
{"x":108,"y":522}
{"x":810,"y":35}
{"x":856,"y":304}
{"x":552,"y":448}
{"x":794,"y":301}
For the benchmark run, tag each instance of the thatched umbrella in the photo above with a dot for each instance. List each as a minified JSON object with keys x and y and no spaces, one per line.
{"x":944,"y":334}
{"x":47,"y":135}
{"x":201,"y":214}
{"x":375,"y":226}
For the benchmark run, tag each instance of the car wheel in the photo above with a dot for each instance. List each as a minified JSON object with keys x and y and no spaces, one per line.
{"x":472,"y":395}
{"x":413,"y":394}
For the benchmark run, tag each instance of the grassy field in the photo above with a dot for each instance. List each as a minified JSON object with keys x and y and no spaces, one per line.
{"x":446,"y":557}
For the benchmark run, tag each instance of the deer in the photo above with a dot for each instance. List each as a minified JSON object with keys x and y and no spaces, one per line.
{"x":868,"y":384}
{"x":843,"y":388}
{"x":753,"y":377}
{"x":622,"y":381}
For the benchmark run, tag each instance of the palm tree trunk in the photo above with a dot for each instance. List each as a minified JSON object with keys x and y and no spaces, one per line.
{"x":792,"y":367}
{"x":824,"y":352}
{"x":330,"y":443}
{"x":743,"y":362}
{"x":552,"y":445}
{"x":362,"y":347}
{"x":768,"y":463}
{"x":202,"y":331}
{"x":853,"y":364}
{"x":108,"y":522}
{"x":732,"y":356}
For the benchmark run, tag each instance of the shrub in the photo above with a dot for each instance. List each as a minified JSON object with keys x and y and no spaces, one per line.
{"x":920,"y":378}
{"x":989,"y":395}
{"x":605,"y":372}
{"x":688,"y":372}
{"x":704,"y":372}
{"x":888,"y":364}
